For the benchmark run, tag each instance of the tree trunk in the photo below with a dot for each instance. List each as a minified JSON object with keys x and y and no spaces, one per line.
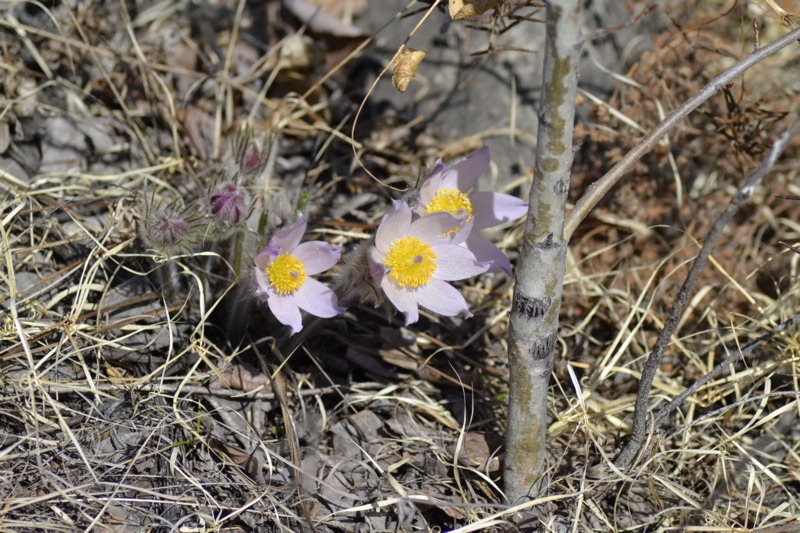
{"x":533,"y":329}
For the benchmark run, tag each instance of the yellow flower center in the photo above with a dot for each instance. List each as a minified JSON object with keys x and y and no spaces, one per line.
{"x":286,"y":274}
{"x":451,"y":201}
{"x":411,"y":262}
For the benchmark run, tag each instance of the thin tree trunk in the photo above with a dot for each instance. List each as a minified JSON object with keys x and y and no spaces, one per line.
{"x":533,"y":329}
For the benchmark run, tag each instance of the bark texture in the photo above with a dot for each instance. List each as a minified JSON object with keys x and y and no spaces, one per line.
{"x":533,"y":329}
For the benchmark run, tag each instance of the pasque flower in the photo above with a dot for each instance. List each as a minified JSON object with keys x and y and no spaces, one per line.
{"x":446,"y":190}
{"x":283,"y":273}
{"x":249,"y":153}
{"x":414,"y":260}
{"x":168,"y":227}
{"x":228,"y":203}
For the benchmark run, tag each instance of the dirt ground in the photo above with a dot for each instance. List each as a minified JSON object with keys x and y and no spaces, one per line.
{"x":145,"y":387}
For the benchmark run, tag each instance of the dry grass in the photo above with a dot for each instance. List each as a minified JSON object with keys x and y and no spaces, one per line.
{"x":131,"y":400}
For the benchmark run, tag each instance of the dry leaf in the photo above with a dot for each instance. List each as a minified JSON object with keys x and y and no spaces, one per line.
{"x":478,"y":451}
{"x":319,"y":21}
{"x":239,"y":377}
{"x":463,"y":9}
{"x":341,"y":9}
{"x":251,"y":463}
{"x":406,"y":67}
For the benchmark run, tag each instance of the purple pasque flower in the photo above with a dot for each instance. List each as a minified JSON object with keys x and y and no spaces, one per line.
{"x":228,"y":203}
{"x":248,"y":152}
{"x":446,"y":191}
{"x":167,"y":228}
{"x":414,"y":260}
{"x":283,"y":273}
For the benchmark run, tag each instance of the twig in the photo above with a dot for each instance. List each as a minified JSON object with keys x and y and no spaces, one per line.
{"x":738,"y":354}
{"x":715,"y":413}
{"x":639,"y":430}
{"x":630,"y":22}
{"x":598,"y":189}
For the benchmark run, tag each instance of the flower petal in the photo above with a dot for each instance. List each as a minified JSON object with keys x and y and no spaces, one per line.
{"x":442,"y":298}
{"x":285,"y":310}
{"x":492,"y":208}
{"x":376,"y":255}
{"x":427,"y":192}
{"x":486,"y":251}
{"x":433,"y":228}
{"x":289,"y":238}
{"x":394,"y":226}
{"x":462,"y":234}
{"x":402,"y":299}
{"x":264,"y":258}
{"x":262,"y":283}
{"x":317,"y":299}
{"x":317,"y":256}
{"x":438,"y":167}
{"x":376,"y":268}
{"x":455,"y":262}
{"x":470,"y":169}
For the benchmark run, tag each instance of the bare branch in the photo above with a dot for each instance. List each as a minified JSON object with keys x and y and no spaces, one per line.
{"x":598,"y":189}
{"x":737,"y":354}
{"x":639,"y":430}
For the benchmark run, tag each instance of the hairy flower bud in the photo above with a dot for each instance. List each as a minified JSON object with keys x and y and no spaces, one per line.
{"x":167,"y":228}
{"x":359,"y":280}
{"x":170,"y":226}
{"x":249,"y":152}
{"x":251,"y":158}
{"x":228,"y":204}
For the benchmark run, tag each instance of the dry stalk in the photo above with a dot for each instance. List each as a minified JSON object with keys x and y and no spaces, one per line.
{"x":639,"y":429}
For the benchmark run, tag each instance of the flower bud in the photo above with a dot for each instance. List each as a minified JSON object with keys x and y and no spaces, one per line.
{"x":167,"y":229}
{"x":228,"y":203}
{"x":251,"y":159}
{"x":249,"y":153}
{"x":170,"y":226}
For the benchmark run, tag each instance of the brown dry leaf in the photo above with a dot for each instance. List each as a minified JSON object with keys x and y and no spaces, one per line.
{"x":458,"y":513}
{"x":240,"y":378}
{"x":406,"y":67}
{"x":477,"y":452}
{"x":183,"y":60}
{"x":251,"y":463}
{"x":198,"y":121}
{"x":319,"y":21}
{"x":427,"y":462}
{"x":463,"y":9}
{"x":341,"y":9}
